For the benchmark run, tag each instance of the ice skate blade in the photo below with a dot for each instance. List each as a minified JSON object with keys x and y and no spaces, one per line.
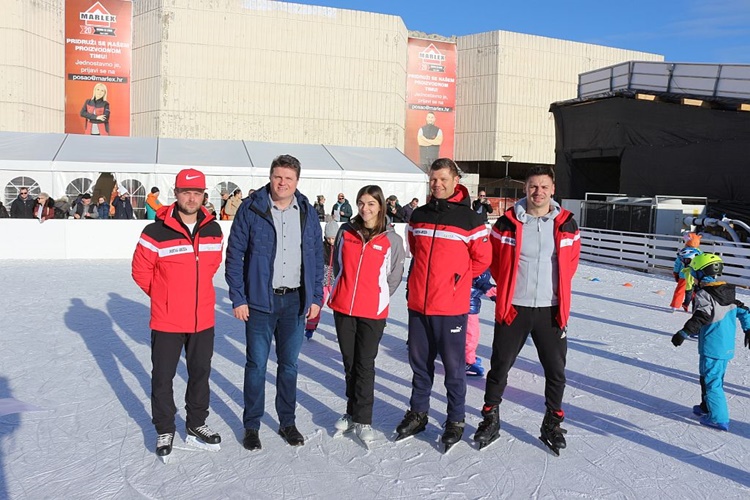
{"x":483,"y":445}
{"x":364,"y":443}
{"x":164,"y":459}
{"x":553,"y":449}
{"x":339,"y":433}
{"x":403,"y":437}
{"x":197,"y":443}
{"x":448,"y":447}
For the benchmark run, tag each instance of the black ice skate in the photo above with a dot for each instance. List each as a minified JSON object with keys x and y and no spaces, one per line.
{"x":552,"y":434}
{"x":413,"y":423}
{"x":489,"y":430}
{"x":203,"y":438}
{"x":164,"y":446}
{"x":452,"y":434}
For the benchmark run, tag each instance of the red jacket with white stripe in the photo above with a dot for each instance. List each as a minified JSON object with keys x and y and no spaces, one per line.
{"x":506,"y":238}
{"x":366,"y":274}
{"x":449,"y":244}
{"x":176,"y":270}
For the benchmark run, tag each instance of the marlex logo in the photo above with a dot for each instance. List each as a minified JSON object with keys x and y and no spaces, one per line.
{"x":432,"y":59}
{"x":97,"y":21}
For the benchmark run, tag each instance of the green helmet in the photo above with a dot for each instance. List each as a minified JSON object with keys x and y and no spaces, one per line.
{"x":706,"y":264}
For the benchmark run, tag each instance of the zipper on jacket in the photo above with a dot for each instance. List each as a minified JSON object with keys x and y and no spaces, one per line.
{"x":539,"y":255}
{"x":197,"y":274}
{"x":359,"y":266}
{"x":429,"y":261}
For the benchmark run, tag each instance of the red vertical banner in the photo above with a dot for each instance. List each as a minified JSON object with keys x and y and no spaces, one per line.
{"x":430,"y":101}
{"x":98,"y":41}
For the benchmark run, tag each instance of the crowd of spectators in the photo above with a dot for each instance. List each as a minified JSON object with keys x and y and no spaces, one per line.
{"x":84,"y":207}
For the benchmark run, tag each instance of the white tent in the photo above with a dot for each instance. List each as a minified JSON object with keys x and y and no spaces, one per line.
{"x":70,"y":164}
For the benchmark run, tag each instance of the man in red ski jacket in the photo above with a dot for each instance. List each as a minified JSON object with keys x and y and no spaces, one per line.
{"x":174,"y":263}
{"x":450,"y":247}
{"x":535,"y":251}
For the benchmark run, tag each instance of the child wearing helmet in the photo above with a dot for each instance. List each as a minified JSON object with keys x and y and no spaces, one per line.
{"x":683,"y":293}
{"x":715,"y":311}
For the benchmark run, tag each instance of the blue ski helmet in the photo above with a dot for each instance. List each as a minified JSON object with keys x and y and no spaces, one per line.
{"x":687,"y":254}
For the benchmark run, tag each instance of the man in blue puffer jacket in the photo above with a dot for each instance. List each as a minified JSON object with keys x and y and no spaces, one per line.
{"x":274,"y":269}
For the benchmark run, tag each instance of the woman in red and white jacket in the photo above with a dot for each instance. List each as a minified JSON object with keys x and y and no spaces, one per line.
{"x":368,"y":266}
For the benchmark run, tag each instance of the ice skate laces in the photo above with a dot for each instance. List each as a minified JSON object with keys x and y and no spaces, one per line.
{"x":164,"y":439}
{"x":204,"y":431}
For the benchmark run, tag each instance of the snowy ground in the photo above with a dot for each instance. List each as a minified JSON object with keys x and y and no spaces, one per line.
{"x":74,"y":345}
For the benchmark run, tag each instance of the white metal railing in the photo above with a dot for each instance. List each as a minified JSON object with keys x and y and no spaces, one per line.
{"x":656,"y":252}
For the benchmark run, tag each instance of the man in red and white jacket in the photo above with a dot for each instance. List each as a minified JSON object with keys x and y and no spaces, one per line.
{"x":450,"y":247}
{"x":535,"y":251}
{"x":174,"y":263}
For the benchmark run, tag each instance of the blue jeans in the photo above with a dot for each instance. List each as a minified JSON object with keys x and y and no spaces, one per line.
{"x":285,"y":324}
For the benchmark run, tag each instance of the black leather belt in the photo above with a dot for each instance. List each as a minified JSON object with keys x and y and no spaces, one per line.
{"x":284,"y":290}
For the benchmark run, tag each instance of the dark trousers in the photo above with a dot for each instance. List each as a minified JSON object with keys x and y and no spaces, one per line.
{"x":551,"y":345}
{"x":359,"y":339}
{"x":166,"y":349}
{"x":428,"y":337}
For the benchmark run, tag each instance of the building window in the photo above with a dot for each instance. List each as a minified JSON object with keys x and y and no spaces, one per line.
{"x":78,"y":187}
{"x":137,"y":196}
{"x":214,"y":196}
{"x":15,"y":185}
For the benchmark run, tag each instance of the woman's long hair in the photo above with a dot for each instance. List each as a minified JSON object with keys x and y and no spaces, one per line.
{"x":381,"y":224}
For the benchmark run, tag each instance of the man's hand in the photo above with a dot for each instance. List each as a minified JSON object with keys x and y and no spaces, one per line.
{"x":242,"y":312}
{"x":313,"y":311}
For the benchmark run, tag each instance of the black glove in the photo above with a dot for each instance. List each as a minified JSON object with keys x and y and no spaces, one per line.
{"x":747,"y":339}
{"x":678,"y":338}
{"x":676,"y":277}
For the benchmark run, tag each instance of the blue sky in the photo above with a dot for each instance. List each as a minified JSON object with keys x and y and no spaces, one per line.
{"x":714,"y":31}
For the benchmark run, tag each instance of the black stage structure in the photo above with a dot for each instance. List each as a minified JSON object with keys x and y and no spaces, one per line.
{"x":671,"y":135}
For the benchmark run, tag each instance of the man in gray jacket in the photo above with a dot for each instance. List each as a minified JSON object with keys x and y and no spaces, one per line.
{"x":535,"y":251}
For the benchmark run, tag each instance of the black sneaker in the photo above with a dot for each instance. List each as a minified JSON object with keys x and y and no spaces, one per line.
{"x":291,"y":435}
{"x":205,"y":434}
{"x":413,"y":423}
{"x":251,"y":441}
{"x":164,"y":444}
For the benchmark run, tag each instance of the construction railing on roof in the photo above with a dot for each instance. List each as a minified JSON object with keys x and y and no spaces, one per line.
{"x":657,"y":252}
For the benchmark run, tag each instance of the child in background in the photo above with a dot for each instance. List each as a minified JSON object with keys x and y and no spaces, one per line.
{"x":714,"y":313}
{"x":329,"y":236}
{"x":683,"y":294}
{"x":481,"y":285}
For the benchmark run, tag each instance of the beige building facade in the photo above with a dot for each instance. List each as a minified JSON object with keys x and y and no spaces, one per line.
{"x":261,"y":70}
{"x":32,"y":85}
{"x":506,"y":83}
{"x":268,"y":71}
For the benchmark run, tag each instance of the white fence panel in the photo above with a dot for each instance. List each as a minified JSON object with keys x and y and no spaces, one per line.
{"x":656,"y":252}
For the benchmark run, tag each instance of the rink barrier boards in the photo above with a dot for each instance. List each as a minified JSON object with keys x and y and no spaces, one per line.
{"x":116,"y":239}
{"x":656,"y":252}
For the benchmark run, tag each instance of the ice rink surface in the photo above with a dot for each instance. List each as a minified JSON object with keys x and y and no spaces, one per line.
{"x":75,"y":413}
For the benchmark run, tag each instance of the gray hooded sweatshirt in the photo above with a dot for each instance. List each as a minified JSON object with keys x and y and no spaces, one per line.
{"x":536,"y":281}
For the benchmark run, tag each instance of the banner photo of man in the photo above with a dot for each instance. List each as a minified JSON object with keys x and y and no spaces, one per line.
{"x":430,"y":101}
{"x":98,"y":40}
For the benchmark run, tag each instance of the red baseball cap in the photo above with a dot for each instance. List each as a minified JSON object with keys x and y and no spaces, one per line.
{"x":190,"y":178}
